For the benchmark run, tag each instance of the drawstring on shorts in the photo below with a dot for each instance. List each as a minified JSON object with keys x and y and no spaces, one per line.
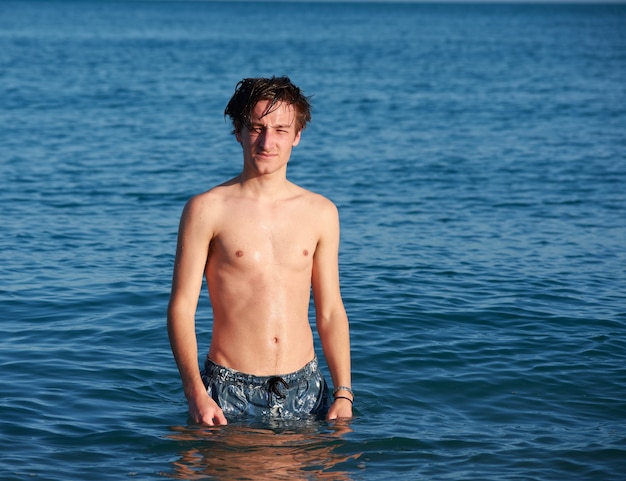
{"x":273,"y":386}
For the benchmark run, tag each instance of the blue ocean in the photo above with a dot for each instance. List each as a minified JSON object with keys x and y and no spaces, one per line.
{"x":477,"y":155}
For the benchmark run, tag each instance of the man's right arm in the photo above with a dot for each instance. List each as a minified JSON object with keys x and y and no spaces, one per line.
{"x":194,"y":236}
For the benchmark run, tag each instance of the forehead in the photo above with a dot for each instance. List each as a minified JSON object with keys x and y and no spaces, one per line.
{"x":282,"y":113}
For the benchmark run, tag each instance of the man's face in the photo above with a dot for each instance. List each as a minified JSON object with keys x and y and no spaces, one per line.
{"x":268,"y":142}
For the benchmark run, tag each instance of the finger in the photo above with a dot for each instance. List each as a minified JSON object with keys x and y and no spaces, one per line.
{"x":220,"y":418}
{"x":208,"y":420}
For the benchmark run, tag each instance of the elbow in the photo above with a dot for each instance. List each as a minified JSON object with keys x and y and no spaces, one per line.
{"x":177,"y":312}
{"x":332,"y":319}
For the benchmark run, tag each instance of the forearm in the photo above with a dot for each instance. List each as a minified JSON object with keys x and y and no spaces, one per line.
{"x":182,"y":336}
{"x":335,"y":337}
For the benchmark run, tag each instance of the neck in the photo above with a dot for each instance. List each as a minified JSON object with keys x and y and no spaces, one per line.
{"x":271,"y":186}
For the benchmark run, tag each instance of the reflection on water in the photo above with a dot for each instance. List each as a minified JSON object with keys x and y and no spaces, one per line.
{"x":278,"y":450}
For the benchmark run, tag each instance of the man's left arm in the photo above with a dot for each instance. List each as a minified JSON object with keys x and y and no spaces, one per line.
{"x":331,"y":317}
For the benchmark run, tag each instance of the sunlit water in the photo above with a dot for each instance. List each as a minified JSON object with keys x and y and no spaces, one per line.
{"x":476,"y":154}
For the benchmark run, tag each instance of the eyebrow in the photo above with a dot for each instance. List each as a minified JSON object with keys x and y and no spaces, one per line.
{"x":258,"y":124}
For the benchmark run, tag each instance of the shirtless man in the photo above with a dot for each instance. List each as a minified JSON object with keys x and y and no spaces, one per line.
{"x":262,"y":243}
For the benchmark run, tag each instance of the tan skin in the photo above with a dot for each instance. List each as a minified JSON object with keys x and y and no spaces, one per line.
{"x":262,"y":243}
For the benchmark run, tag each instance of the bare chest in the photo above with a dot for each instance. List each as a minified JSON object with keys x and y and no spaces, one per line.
{"x":257,"y":239}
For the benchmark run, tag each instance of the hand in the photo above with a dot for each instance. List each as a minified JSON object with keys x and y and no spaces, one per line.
{"x":204,"y":410}
{"x":341,"y":408}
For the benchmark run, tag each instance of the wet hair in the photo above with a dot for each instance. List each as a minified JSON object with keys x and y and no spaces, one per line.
{"x":250,"y":91}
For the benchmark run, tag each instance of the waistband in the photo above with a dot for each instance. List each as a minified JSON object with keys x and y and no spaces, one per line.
{"x":226,"y":374}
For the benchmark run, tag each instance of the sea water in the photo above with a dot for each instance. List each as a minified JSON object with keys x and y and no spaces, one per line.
{"x":477,"y":154}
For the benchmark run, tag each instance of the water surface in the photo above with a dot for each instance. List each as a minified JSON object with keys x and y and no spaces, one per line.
{"x":476,"y":154}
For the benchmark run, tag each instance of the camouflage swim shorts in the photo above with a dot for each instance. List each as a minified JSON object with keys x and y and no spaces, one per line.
{"x":290,"y":396}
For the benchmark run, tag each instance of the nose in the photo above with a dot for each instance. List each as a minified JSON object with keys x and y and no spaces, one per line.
{"x":266,"y":139}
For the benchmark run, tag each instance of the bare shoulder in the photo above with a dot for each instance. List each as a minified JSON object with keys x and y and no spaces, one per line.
{"x":207,"y":203}
{"x":322,"y":213}
{"x":319,"y":204}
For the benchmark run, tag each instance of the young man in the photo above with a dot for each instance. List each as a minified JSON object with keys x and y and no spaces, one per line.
{"x":262,"y":243}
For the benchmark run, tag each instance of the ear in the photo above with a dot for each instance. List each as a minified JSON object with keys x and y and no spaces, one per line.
{"x":296,"y":140}
{"x":238,"y":136}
